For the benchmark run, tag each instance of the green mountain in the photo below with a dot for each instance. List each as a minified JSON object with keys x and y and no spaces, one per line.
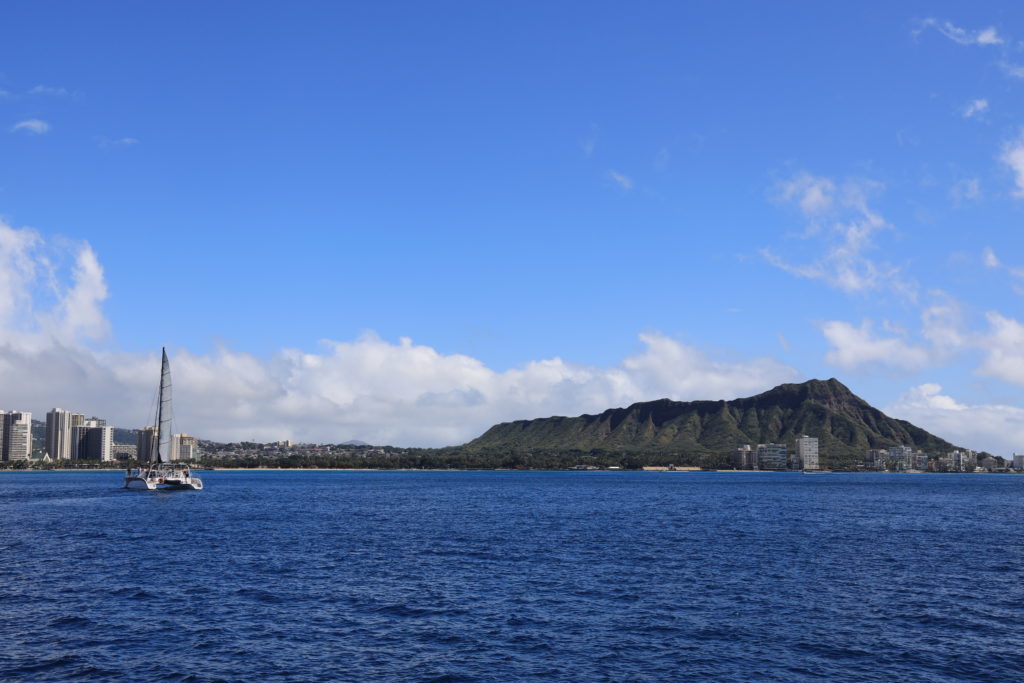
{"x":709,"y":431}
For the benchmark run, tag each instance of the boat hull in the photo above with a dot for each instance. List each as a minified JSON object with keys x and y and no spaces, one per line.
{"x":162,"y":479}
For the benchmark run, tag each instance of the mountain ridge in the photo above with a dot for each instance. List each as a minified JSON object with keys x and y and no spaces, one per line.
{"x":845,"y":424}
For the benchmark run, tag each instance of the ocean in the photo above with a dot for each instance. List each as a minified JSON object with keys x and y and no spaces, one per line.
{"x":499,"y":576}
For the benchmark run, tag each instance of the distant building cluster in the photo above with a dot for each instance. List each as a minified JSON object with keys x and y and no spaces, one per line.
{"x":898,"y":459}
{"x":72,"y":436}
{"x":183,"y":446}
{"x":284,"y":449}
{"x":776,"y":456}
{"x":906,"y":459}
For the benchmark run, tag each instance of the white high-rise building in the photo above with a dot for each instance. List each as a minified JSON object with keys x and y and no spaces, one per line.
{"x":807,"y":452}
{"x":1018,"y":461}
{"x":901,"y":458}
{"x":963,"y":461}
{"x":15,"y":435}
{"x":101,"y":443}
{"x":59,"y":439}
{"x":183,"y":447}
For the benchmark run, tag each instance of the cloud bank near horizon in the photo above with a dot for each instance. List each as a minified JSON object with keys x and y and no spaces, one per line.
{"x":57,"y":350}
{"x":371,"y":389}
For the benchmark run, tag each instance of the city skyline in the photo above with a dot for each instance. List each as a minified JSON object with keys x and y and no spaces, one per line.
{"x":70,"y":436}
{"x":360,"y":229}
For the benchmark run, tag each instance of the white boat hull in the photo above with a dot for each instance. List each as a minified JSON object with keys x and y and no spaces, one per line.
{"x":162,"y":479}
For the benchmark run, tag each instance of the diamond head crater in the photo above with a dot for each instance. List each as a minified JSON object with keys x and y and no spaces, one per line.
{"x":708,"y":433}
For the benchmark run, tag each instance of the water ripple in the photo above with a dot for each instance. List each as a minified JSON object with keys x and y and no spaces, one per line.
{"x":489,"y":576}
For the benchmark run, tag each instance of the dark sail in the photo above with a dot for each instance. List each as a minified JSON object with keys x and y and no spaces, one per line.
{"x":164,"y":413}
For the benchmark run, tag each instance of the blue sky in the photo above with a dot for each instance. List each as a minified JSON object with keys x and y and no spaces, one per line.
{"x":564,"y":207}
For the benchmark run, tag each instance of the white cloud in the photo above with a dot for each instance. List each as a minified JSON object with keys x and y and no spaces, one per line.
{"x":998,"y":429}
{"x":624,"y":182}
{"x":857,"y":347}
{"x":1013,"y":70}
{"x":1013,"y":156}
{"x":814,"y":195}
{"x":49,"y":90}
{"x":118,"y":142}
{"x":399,"y":393}
{"x":34,"y":126}
{"x":988,"y":36}
{"x":671,"y":369}
{"x":942,"y":326}
{"x":968,"y":188}
{"x":35,"y":305}
{"x":1004,"y":349}
{"x":943,"y":334}
{"x":841,"y":218}
{"x":975,"y":107}
{"x":984,"y":37}
{"x":80,"y":314}
{"x":989,"y":258}
{"x":18,"y":270}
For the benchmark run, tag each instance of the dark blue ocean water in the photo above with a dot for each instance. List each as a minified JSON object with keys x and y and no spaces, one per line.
{"x":420,"y":576}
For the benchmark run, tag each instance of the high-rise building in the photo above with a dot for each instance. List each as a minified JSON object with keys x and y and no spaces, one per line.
{"x":901,"y":458}
{"x":15,"y":435}
{"x":79,"y":434}
{"x":963,"y":461}
{"x":146,"y":448}
{"x":771,"y":456}
{"x":183,"y":447}
{"x":807,"y":452}
{"x":59,"y":423}
{"x":1018,"y":461}
{"x":745,"y":458}
{"x":92,"y":440}
{"x":100,"y":443}
{"x":876,"y":459}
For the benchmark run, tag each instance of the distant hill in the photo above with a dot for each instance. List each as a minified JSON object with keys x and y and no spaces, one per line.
{"x":846,"y":426}
{"x":354,"y":442}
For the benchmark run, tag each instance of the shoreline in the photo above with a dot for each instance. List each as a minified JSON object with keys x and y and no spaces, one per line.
{"x":496,"y":469}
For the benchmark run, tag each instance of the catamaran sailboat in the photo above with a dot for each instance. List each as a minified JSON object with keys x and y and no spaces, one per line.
{"x":162,"y":473}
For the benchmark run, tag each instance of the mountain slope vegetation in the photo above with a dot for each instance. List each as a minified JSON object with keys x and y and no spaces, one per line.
{"x":846,"y":427}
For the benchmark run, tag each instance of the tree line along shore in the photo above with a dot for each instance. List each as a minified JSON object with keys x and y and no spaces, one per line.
{"x":257,"y":456}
